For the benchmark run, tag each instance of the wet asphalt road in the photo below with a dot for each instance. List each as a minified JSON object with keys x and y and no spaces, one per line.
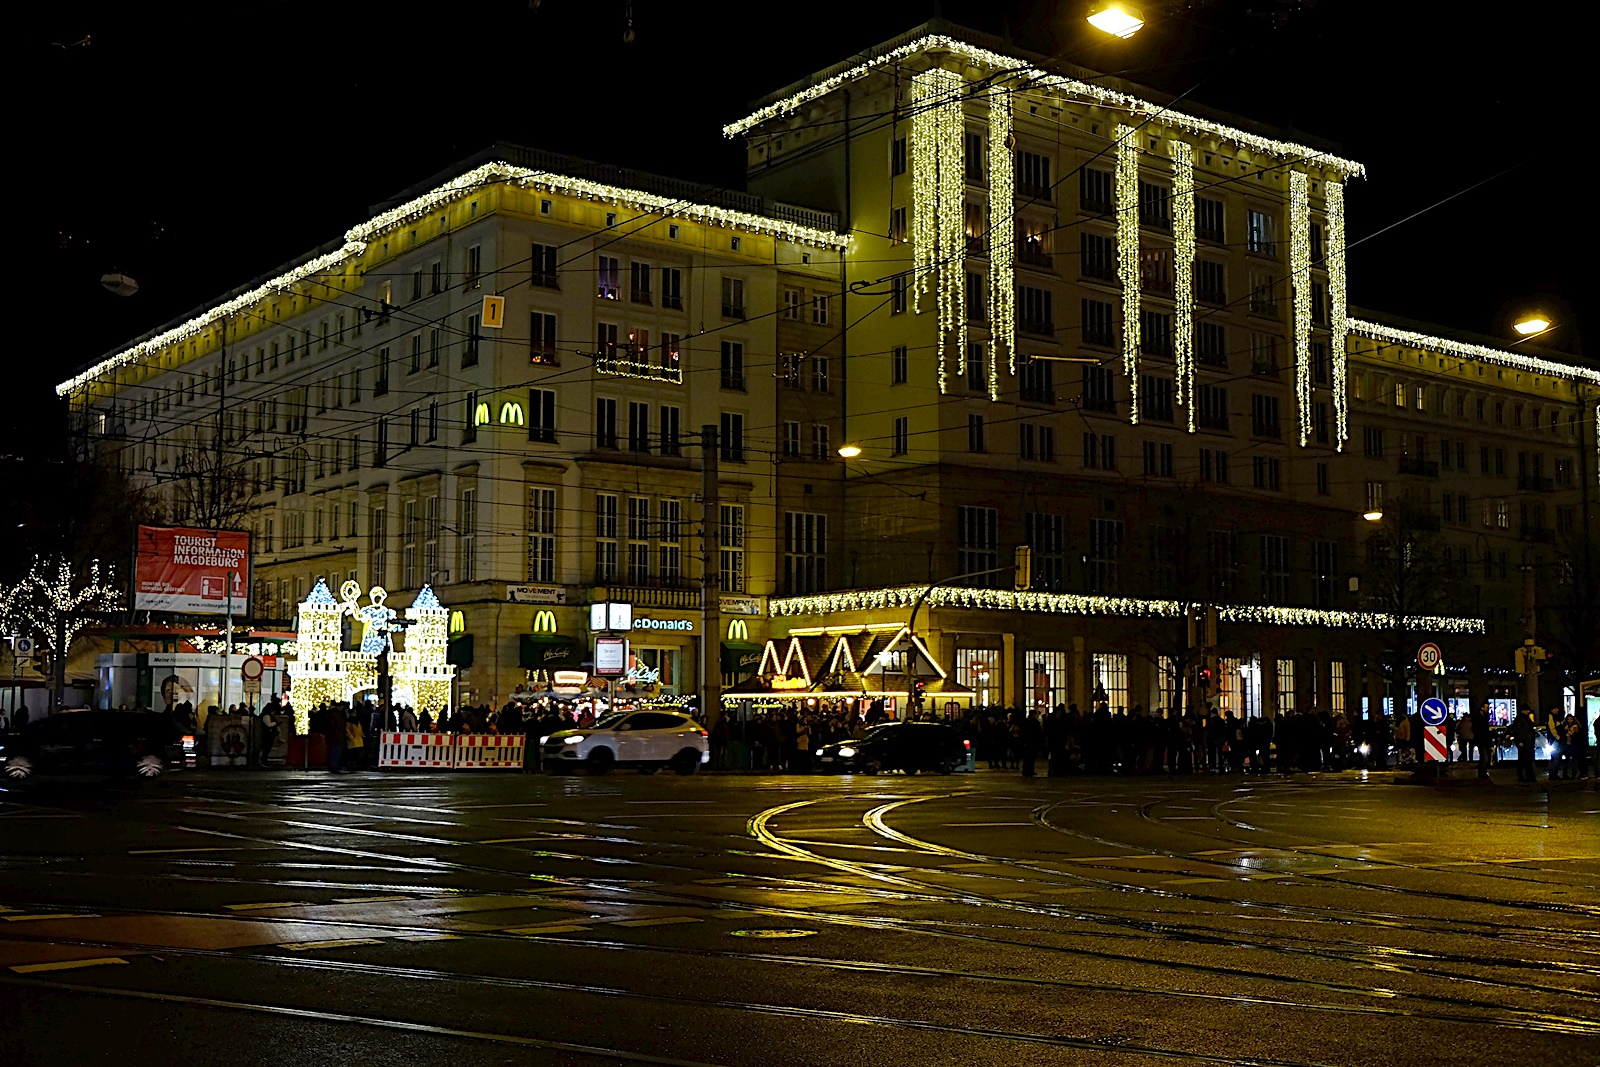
{"x":970,"y":920}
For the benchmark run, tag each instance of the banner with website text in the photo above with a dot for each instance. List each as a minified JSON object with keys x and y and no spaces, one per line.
{"x":189,"y":571}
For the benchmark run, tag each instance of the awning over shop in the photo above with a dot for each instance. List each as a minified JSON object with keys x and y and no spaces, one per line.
{"x":548,"y":652}
{"x":741,"y":657}
{"x":459,"y":652}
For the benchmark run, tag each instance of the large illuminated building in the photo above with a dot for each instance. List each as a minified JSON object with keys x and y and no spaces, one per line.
{"x":1048,"y":310}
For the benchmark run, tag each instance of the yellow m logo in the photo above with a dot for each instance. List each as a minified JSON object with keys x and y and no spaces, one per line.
{"x":544,"y":621}
{"x":738,"y":630}
{"x":511,"y":414}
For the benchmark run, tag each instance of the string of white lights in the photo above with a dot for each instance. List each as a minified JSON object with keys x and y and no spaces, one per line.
{"x":358,"y":238}
{"x":906,"y":596}
{"x":1127,"y":208}
{"x":1377,"y":331}
{"x":1300,"y":294}
{"x":1089,"y":91}
{"x":1002,"y":241}
{"x":1183,"y":251}
{"x":1338,"y":308}
{"x":938,"y":206}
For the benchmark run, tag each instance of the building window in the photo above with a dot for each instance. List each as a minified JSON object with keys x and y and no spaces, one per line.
{"x":1045,"y":533}
{"x":732,"y":298}
{"x":1098,"y":323}
{"x":469,"y":354}
{"x":378,"y":542}
{"x":1155,"y":398}
{"x":638,"y":563}
{"x":1266,"y":472}
{"x":1325,"y":571}
{"x":605,"y":533}
{"x":897,"y":157}
{"x":1154,"y":206}
{"x":1375,"y":497}
{"x":819,"y":374}
{"x":541,"y":340}
{"x":1211,"y":344}
{"x":732,"y":365}
{"x":1274,"y":569}
{"x":730,"y":444}
{"x":1100,"y":451}
{"x":669,"y":550}
{"x":1033,"y":176}
{"x":979,"y":670}
{"x":902,"y":435}
{"x":1286,"y":685}
{"x":975,"y":433}
{"x":1210,"y":284}
{"x":805,"y":552}
{"x":1098,"y":257}
{"x":730,"y":545}
{"x":1110,"y":680}
{"x":898,"y":297}
{"x":541,"y":533}
{"x":671,"y":429}
{"x":1209,"y":219}
{"x":1094,"y":191}
{"x":1046,"y":679}
{"x":1105,"y":553}
{"x":1098,"y":389}
{"x":978,"y":543}
{"x":605,"y":423}
{"x":1211,"y":407}
{"x":1264,"y":416}
{"x":1158,"y":459}
{"x":608,"y":278}
{"x":1036,"y":380}
{"x":1261,"y":232}
{"x":638,"y":426}
{"x":1322,"y":479}
{"x":791,"y":440}
{"x":1035,"y":312}
{"x":819,"y":441}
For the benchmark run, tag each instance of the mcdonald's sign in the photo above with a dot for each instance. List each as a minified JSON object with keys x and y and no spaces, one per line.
{"x":738,"y":630}
{"x":511,"y":414}
{"x":544,"y":621}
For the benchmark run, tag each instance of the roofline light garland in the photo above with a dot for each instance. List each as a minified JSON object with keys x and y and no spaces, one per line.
{"x":1002,"y":242}
{"x":359,"y":237}
{"x":938,"y":192}
{"x":1300,"y":294}
{"x":1338,"y":308}
{"x":1183,"y":251}
{"x":906,"y":596}
{"x":1096,"y":94}
{"x":1127,"y":208}
{"x":1377,"y":331}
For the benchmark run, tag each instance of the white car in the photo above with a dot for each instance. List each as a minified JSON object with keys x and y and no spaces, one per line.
{"x":648,"y":740}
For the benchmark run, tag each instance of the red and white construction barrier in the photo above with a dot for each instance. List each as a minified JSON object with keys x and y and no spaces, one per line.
{"x":1434,"y":749}
{"x":489,"y":751}
{"x":415,"y":750}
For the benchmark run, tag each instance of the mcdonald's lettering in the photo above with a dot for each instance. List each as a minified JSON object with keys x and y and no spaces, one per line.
{"x":544,"y":622}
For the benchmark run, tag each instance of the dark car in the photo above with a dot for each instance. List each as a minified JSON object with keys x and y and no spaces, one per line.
{"x":99,"y":742}
{"x":897,"y":746}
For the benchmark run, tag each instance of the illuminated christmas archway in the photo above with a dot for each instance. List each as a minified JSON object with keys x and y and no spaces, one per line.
{"x":323,"y":672}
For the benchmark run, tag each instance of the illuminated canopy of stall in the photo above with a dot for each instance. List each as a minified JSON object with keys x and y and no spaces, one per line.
{"x":848,"y":666}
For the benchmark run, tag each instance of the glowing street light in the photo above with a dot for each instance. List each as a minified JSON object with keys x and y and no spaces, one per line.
{"x":1374,"y":515}
{"x":849,"y":451}
{"x":1117,"y":18}
{"x":1529,"y":325}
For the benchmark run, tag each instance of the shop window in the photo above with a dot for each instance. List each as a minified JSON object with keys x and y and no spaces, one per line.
{"x":1111,"y":680}
{"x":1046,"y":679}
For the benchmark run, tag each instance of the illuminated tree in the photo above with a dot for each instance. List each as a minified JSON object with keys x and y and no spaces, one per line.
{"x":54,"y":603}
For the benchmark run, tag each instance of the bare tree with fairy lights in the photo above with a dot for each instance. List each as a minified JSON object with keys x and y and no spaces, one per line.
{"x":53,"y":603}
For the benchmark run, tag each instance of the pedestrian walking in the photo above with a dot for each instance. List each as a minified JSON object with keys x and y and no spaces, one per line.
{"x":1522,"y":735}
{"x":1030,"y":735}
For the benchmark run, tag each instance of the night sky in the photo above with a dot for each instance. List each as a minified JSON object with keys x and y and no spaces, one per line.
{"x":195,"y":148}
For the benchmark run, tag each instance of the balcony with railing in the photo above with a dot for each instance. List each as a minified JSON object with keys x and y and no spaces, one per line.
{"x":1423,"y":468}
{"x":674,"y":593}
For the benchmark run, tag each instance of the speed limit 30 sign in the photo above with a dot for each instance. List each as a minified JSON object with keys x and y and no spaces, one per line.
{"x":1429,"y":656}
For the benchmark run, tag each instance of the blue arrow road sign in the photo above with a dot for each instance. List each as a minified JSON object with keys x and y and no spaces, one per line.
{"x":1434,"y":712}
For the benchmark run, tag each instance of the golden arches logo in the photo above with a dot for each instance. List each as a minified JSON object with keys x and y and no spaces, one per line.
{"x":544,"y":621}
{"x":511,"y":414}
{"x":458,"y":623}
{"x":738,"y":630}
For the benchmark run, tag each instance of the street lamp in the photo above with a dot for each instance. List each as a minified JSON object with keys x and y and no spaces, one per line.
{"x":1531,"y":324}
{"x":849,"y":451}
{"x":1373,"y":515}
{"x":1116,"y":18}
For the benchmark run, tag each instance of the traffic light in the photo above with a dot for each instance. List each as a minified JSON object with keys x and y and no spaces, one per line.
{"x":1023,"y":560}
{"x":1203,"y":676}
{"x":1521,"y":656}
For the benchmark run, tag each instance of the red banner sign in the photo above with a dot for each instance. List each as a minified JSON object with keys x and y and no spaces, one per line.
{"x":189,"y":571}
